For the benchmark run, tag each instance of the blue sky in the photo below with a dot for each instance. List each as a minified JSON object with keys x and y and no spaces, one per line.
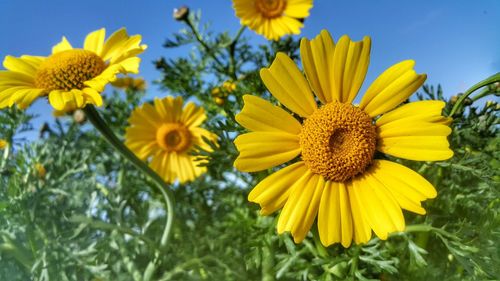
{"x":456,"y":42}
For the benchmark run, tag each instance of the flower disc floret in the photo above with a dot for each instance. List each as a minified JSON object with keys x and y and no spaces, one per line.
{"x":68,"y":70}
{"x":173,"y":137}
{"x":338,"y":141}
{"x":270,"y":8}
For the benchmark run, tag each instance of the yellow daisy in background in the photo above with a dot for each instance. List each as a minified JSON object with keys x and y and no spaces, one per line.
{"x":337,"y":178}
{"x":138,"y":84}
{"x":273,"y":18}
{"x":70,"y":77}
{"x":3,"y":143}
{"x":167,"y":134}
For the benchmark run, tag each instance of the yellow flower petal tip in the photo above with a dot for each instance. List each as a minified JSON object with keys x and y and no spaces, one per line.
{"x":338,"y":182}
{"x":273,"y":19}
{"x":92,"y":68}
{"x":166,"y":134}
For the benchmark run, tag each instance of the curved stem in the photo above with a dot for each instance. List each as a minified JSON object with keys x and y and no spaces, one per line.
{"x":490,"y":80}
{"x":203,"y":43}
{"x":160,"y":185}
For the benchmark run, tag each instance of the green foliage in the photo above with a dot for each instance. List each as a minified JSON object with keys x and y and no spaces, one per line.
{"x":93,"y":216}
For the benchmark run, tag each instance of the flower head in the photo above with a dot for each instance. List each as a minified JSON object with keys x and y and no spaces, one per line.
{"x":129,"y":83}
{"x":338,"y":178}
{"x":3,"y":143}
{"x":167,"y":134}
{"x":70,"y":77}
{"x":273,"y":18}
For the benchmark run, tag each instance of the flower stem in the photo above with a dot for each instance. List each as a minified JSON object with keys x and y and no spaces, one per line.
{"x":490,"y":80}
{"x":160,"y":185}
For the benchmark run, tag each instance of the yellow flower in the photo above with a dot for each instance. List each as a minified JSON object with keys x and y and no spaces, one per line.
{"x":70,"y":77}
{"x":168,"y":134}
{"x":41,"y":171}
{"x":129,"y":83}
{"x":273,"y":18}
{"x":337,"y":178}
{"x":3,"y":143}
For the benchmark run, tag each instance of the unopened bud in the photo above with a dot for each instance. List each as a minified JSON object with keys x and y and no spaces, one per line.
{"x":453,"y":99}
{"x":219,"y":101}
{"x":79,"y":116}
{"x":181,"y":13}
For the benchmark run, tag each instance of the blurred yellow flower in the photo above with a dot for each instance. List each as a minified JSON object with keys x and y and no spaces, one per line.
{"x":41,"y":171}
{"x":166,"y":133}
{"x":71,"y":77}
{"x":129,"y":83}
{"x":273,"y":18}
{"x":337,"y":179}
{"x":3,"y":143}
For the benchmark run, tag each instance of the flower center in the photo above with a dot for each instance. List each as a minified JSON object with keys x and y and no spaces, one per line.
{"x":338,"y":141}
{"x":68,"y":70}
{"x":173,"y":137}
{"x":270,"y":8}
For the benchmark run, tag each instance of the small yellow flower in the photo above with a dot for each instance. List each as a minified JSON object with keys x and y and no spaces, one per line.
{"x":229,"y":86}
{"x":166,"y":133}
{"x":41,"y":171}
{"x":70,"y":77}
{"x":3,"y":143}
{"x":273,"y":18}
{"x":338,"y":179}
{"x":129,"y":83}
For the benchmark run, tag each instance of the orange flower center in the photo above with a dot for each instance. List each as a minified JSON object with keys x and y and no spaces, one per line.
{"x":270,"y":8}
{"x":338,"y":141}
{"x":68,"y":70}
{"x":173,"y":137}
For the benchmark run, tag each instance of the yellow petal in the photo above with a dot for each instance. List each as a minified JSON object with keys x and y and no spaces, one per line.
{"x":334,"y":215}
{"x":92,"y":96}
{"x":391,"y":88}
{"x":260,"y":115}
{"x":62,"y":100}
{"x":62,"y":46}
{"x":263,"y":150}
{"x":146,"y":115}
{"x":169,"y":109}
{"x":413,"y":129}
{"x":19,"y":65}
{"x":287,"y":84}
{"x":26,"y":99}
{"x":418,"y":148}
{"x":317,"y":60}
{"x":113,"y":43}
{"x":272,"y":192}
{"x":350,"y":62}
{"x":95,"y":41}
{"x":10,"y":78}
{"x":298,"y":8}
{"x":362,"y":231}
{"x":414,"y":111}
{"x":301,"y":208}
{"x":192,"y":115}
{"x":404,"y":180}
{"x":380,"y":209}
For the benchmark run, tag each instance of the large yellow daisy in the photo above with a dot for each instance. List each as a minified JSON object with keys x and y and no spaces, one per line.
{"x":167,"y":134}
{"x":70,"y":77}
{"x":337,"y":178}
{"x":273,"y":18}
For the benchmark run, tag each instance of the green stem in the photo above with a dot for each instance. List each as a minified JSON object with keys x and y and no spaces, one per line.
{"x":160,"y":185}
{"x":485,"y":92}
{"x":354,"y":262}
{"x":490,"y":80}
{"x":203,"y":43}
{"x":232,"y":50}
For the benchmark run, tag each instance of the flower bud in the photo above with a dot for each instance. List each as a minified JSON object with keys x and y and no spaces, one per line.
{"x":181,"y":13}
